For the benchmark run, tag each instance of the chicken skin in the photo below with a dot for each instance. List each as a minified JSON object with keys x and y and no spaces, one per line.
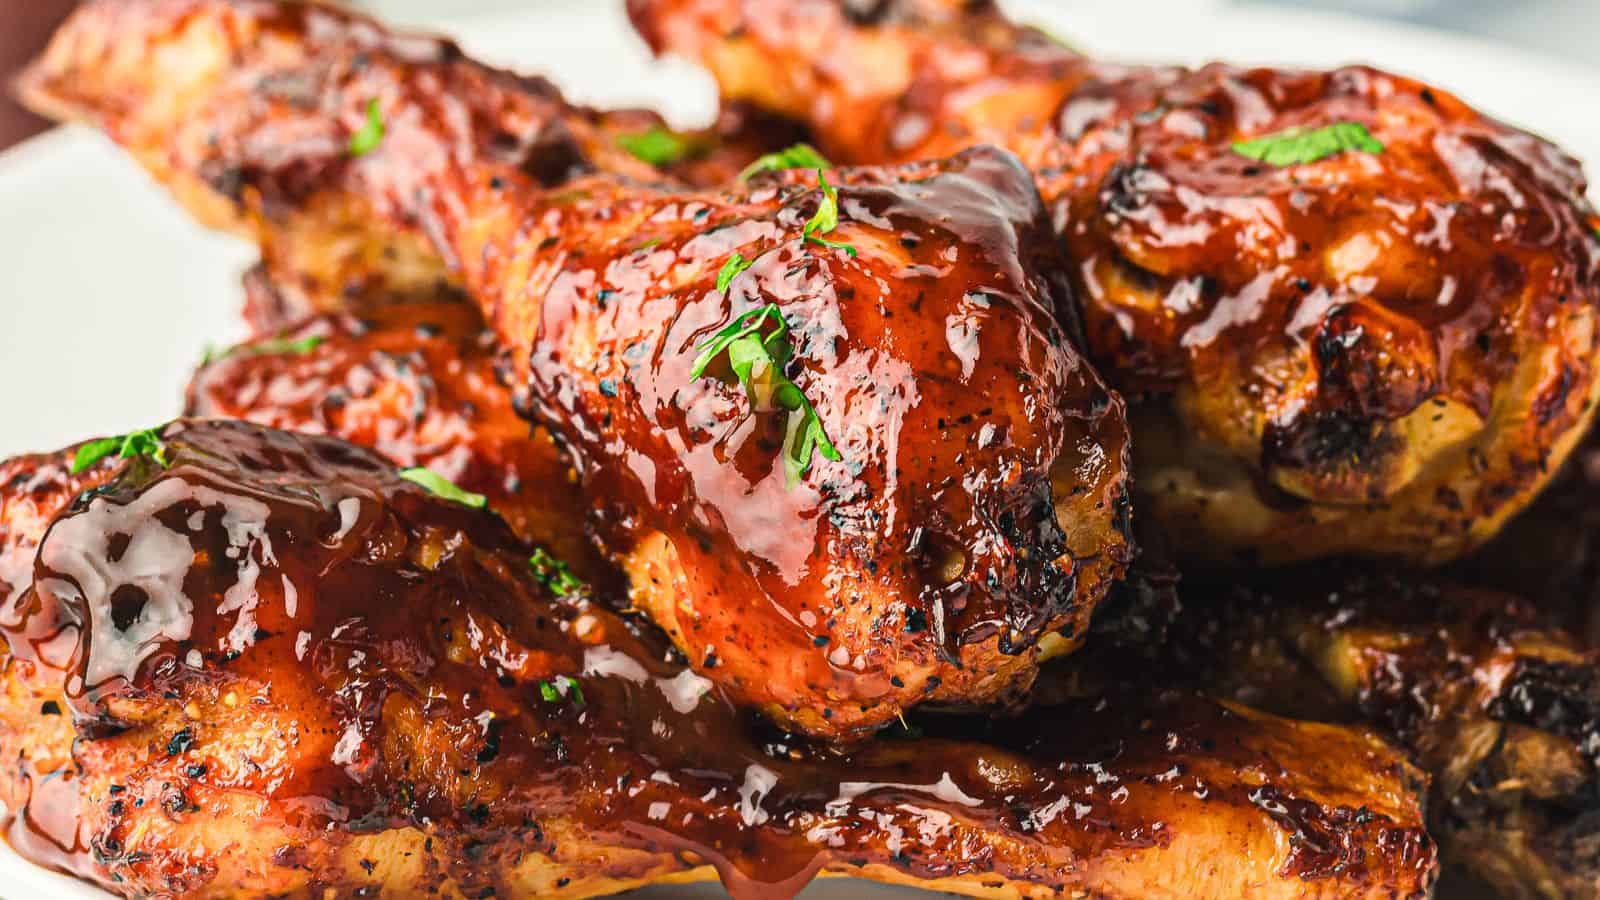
{"x":1499,"y":708}
{"x":308,"y":269}
{"x":416,"y":382}
{"x":1361,"y":314}
{"x":913,"y":484}
{"x":201,"y":701}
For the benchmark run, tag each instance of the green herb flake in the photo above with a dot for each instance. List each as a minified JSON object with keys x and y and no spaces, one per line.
{"x":659,"y":146}
{"x":730,"y":270}
{"x":371,"y":134}
{"x":440,"y":486}
{"x":826,"y":219}
{"x":555,"y":574}
{"x":560,"y":689}
{"x":279,"y":346}
{"x":1297,"y":145}
{"x":285,"y":346}
{"x":798,"y":156}
{"x":756,"y":361}
{"x":145,"y":443}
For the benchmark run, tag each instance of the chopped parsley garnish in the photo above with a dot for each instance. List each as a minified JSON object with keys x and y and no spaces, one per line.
{"x":554,"y":574}
{"x":279,"y":346}
{"x":439,"y":486}
{"x":560,"y":689}
{"x":126,"y":446}
{"x":371,"y":134}
{"x":826,"y":218}
{"x":1298,"y":145}
{"x":731,"y":269}
{"x":757,"y":361}
{"x":798,"y":156}
{"x":284,"y":346}
{"x":659,"y":146}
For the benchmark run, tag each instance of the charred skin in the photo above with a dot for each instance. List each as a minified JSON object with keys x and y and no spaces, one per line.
{"x":979,"y":506}
{"x":1501,"y":710}
{"x":1384,"y":354}
{"x":373,"y":717}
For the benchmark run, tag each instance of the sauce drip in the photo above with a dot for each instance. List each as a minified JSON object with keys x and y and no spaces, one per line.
{"x":976,"y":509}
{"x":433,"y":683}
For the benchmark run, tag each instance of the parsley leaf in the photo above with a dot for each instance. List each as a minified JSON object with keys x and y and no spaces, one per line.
{"x":731,"y":269}
{"x":757,"y":362}
{"x":659,"y":146}
{"x":1298,"y":145}
{"x":562,"y":687}
{"x":554,"y":574}
{"x":284,"y":346}
{"x":371,"y":134}
{"x":439,"y":486}
{"x":798,"y":156}
{"x":126,"y":446}
{"x":826,"y":219}
{"x":279,"y":346}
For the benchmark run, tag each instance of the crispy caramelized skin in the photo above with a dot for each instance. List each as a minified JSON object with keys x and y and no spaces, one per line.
{"x":399,"y":705}
{"x":416,"y":382}
{"x":1501,"y":710}
{"x":306,"y":271}
{"x":1384,"y":353}
{"x":977,"y":508}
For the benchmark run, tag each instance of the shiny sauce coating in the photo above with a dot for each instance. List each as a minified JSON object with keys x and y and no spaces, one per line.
{"x":1379,"y":349}
{"x":419,"y":383}
{"x":979,"y":504}
{"x":432,"y":682}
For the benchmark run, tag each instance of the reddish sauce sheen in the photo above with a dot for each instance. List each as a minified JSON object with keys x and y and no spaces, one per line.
{"x":417,"y":382}
{"x":1395,"y":347}
{"x":979,"y":504}
{"x":262,"y":558}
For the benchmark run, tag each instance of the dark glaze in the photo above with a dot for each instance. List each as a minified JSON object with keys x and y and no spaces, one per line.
{"x":1345,"y":330}
{"x":1502,"y":711}
{"x":402,"y":638}
{"x":1551,"y":552}
{"x":979,"y":504}
{"x":940,"y":381}
{"x":416,"y":382}
{"x":1418,"y":273}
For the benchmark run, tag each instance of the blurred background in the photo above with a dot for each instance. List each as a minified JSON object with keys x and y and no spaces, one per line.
{"x":1566,"y":29}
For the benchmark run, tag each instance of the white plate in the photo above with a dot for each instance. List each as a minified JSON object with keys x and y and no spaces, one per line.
{"x":111,"y":293}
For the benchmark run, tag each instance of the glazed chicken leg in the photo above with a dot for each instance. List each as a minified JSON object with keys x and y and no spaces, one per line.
{"x":1365,"y":312}
{"x":399,"y":706}
{"x":1501,"y":709}
{"x":930,"y":489}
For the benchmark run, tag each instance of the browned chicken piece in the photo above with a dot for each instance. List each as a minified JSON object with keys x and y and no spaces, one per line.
{"x":1501,"y":710}
{"x":1362,"y":313}
{"x":302,"y":274}
{"x":416,"y":382}
{"x":398,"y":705}
{"x":904,"y":511}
